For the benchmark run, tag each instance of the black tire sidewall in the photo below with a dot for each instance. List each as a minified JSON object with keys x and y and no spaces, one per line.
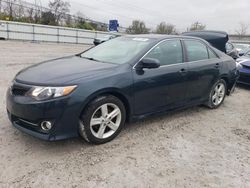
{"x":210,"y":102}
{"x":87,"y":114}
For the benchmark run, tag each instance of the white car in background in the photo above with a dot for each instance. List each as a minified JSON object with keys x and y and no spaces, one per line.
{"x":242,"y":48}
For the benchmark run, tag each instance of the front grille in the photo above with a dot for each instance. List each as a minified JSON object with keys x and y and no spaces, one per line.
{"x":19,"y":90}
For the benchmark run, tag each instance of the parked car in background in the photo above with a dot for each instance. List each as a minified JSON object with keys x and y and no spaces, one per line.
{"x":244,"y":71}
{"x":103,"y":39}
{"x":242,"y":48}
{"x":217,"y":39}
{"x":92,"y":94}
{"x":245,"y":56}
{"x":231,"y":50}
{"x":244,"y":68}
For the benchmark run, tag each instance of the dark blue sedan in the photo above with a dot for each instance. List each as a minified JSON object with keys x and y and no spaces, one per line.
{"x":244,"y":72}
{"x":94,"y":93}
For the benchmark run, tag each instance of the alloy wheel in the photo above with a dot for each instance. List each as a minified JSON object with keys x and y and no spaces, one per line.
{"x":218,"y":94}
{"x":105,"y":120}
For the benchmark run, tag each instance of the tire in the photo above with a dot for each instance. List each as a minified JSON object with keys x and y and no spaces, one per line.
{"x":102,"y":120}
{"x":217,"y":94}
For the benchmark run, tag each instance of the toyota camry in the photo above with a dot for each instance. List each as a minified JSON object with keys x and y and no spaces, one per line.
{"x":93,"y":94}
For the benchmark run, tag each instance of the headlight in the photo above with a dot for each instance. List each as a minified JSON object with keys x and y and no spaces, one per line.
{"x":43,"y":93}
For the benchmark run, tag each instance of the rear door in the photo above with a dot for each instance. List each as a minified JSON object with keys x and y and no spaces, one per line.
{"x":203,"y":69}
{"x":163,"y":87}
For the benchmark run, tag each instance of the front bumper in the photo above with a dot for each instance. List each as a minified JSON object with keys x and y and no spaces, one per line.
{"x":27,"y":114}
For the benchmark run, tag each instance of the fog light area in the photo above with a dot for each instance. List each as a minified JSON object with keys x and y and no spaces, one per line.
{"x":46,"y":125}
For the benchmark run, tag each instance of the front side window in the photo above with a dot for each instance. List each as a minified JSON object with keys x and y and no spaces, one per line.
{"x":168,"y":52}
{"x":196,"y":51}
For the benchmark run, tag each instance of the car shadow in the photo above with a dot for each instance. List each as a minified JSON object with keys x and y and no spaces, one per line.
{"x":57,"y":148}
{"x":165,"y":116}
{"x":243,"y":86}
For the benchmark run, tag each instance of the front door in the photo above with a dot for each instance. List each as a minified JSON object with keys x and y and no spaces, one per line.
{"x":164,"y":87}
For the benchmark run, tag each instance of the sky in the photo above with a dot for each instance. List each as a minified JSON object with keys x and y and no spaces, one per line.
{"x":225,"y":15}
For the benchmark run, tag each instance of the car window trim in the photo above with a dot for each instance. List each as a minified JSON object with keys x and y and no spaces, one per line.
{"x":182,"y":47}
{"x":183,"y":52}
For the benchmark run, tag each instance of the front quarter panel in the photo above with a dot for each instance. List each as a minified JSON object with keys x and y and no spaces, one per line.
{"x":119,"y":81}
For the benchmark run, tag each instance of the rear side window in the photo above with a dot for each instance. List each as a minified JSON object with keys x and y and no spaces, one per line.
{"x":196,"y":50}
{"x":168,"y":52}
{"x":211,"y":54}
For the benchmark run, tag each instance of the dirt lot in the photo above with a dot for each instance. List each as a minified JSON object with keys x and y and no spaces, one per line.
{"x":196,"y":147}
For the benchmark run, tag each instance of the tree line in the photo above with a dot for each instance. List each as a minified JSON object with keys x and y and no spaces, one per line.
{"x":58,"y":14}
{"x":139,"y":27}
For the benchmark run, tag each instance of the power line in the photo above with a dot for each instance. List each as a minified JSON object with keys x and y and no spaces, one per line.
{"x":125,"y":6}
{"x":29,"y":5}
{"x":104,"y":11}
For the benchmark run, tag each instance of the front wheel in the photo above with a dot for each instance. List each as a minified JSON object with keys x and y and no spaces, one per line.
{"x":217,"y":94}
{"x":103,"y":120}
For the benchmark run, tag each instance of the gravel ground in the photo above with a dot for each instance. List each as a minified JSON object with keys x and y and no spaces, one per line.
{"x":196,"y":147}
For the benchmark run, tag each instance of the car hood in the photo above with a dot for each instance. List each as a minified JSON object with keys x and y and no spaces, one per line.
{"x":245,"y":62}
{"x":62,"y":71}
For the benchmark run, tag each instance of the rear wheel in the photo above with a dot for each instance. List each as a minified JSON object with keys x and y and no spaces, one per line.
{"x":103,"y":120}
{"x":217,"y":94}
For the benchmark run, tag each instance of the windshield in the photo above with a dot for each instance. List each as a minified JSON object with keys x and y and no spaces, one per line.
{"x":118,"y":51}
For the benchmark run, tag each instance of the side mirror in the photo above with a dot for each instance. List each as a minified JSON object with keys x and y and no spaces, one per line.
{"x":148,"y":63}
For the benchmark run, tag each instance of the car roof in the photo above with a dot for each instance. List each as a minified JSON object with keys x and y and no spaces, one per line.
{"x":161,"y":36}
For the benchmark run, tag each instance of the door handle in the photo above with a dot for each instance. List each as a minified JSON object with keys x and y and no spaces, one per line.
{"x":217,"y":65}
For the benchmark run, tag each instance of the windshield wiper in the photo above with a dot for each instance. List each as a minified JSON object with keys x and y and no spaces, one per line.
{"x":91,"y":58}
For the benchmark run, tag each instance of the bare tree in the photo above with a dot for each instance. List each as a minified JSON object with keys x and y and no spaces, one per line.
{"x":197,"y":26}
{"x":19,"y":9}
{"x":60,"y":9}
{"x":30,"y":14}
{"x":137,"y":27}
{"x":9,"y":9}
{"x":242,"y":30}
{"x":38,"y":9}
{"x":48,"y":18}
{"x":80,"y":17}
{"x":69,"y":21}
{"x":0,"y":6}
{"x":164,"y":28}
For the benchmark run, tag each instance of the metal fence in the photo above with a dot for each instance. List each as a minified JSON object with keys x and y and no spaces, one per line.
{"x":36,"y":32}
{"x":240,"y":39}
